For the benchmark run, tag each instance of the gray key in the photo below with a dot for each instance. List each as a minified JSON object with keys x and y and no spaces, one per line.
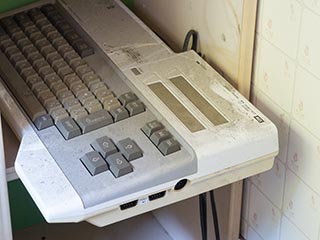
{"x":118,"y":165}
{"x":159,"y":136}
{"x":129,"y":149}
{"x":83,"y":49}
{"x":135,"y":107}
{"x":83,"y":70}
{"x":93,"y":106}
{"x":77,"y":113}
{"x":127,"y":98}
{"x":104,"y":146}
{"x":52,"y":105}
{"x":91,"y":78}
{"x":59,"y":114}
{"x":119,"y":113}
{"x":85,"y":97}
{"x":71,"y":104}
{"x":63,"y":96}
{"x":97,"y":86}
{"x":94,"y":163}
{"x":94,"y":121}
{"x":151,"y":127}
{"x":43,"y":121}
{"x":73,"y":56}
{"x":72,"y":80}
{"x":68,"y":128}
{"x":169,"y":146}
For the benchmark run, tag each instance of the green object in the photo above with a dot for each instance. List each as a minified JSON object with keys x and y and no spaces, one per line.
{"x":129,"y":3}
{"x":24,"y":212}
{"x":6,"y":5}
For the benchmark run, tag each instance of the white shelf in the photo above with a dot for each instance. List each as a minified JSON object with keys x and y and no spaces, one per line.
{"x":141,"y":227}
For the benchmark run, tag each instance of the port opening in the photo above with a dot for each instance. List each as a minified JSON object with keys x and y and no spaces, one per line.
{"x":128,"y":205}
{"x":157,"y":195}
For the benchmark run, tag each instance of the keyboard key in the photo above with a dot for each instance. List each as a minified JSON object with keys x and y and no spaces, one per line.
{"x":104,"y":94}
{"x":118,"y":165}
{"x":169,"y":146}
{"x":129,"y":149}
{"x":48,"y":8}
{"x":159,"y":136}
{"x":94,"y":121}
{"x":85,"y":97}
{"x":104,"y":146}
{"x":77,"y":113}
{"x":43,"y":122}
{"x":63,"y":96}
{"x":94,"y":163}
{"x":52,"y":105}
{"x":59,"y":114}
{"x":119,"y":113}
{"x":83,"y":49}
{"x":135,"y":107}
{"x":98,"y":86}
{"x":68,"y":128}
{"x":151,"y":127}
{"x":93,"y":106}
{"x":91,"y":78}
{"x":127,"y":98}
{"x":111,"y":103}
{"x":71,"y":104}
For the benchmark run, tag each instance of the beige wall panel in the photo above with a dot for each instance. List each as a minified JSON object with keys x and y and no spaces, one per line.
{"x":217,"y":21}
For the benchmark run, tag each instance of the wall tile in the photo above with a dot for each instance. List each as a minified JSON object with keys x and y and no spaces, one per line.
{"x":290,"y":231}
{"x":252,"y":235}
{"x":276,"y":75}
{"x":302,"y":206}
{"x":271,"y":183}
{"x":264,"y":217}
{"x":306,"y":99}
{"x":313,"y":5}
{"x":281,"y":20}
{"x":304,"y":156}
{"x":309,"y":47}
{"x":279,"y":117}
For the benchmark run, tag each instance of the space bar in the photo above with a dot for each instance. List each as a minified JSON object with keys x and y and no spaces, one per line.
{"x":23,"y":93}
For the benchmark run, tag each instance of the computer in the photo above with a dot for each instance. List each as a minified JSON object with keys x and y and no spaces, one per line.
{"x":112,"y":123}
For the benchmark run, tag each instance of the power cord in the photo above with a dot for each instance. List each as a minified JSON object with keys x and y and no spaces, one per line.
{"x":203,"y":215}
{"x":203,"y":197}
{"x":194,"y":34}
{"x":214,"y":215}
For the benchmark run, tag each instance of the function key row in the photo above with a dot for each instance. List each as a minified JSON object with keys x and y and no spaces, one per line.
{"x":161,"y":137}
{"x":106,"y":156}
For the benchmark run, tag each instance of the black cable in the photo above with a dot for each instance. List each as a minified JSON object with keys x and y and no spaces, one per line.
{"x":203,"y":215}
{"x":214,"y":215}
{"x":194,"y":34}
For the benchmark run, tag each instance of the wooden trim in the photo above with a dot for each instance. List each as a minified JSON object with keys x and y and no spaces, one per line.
{"x":249,"y":14}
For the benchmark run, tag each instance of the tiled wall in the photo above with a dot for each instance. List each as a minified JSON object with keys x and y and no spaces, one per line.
{"x":284,"y":203}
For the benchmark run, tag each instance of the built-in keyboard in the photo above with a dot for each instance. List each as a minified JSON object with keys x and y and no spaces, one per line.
{"x":53,"y":82}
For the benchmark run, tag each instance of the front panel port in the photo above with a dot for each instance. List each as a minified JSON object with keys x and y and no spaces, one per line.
{"x":128,"y":205}
{"x":157,"y":195}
